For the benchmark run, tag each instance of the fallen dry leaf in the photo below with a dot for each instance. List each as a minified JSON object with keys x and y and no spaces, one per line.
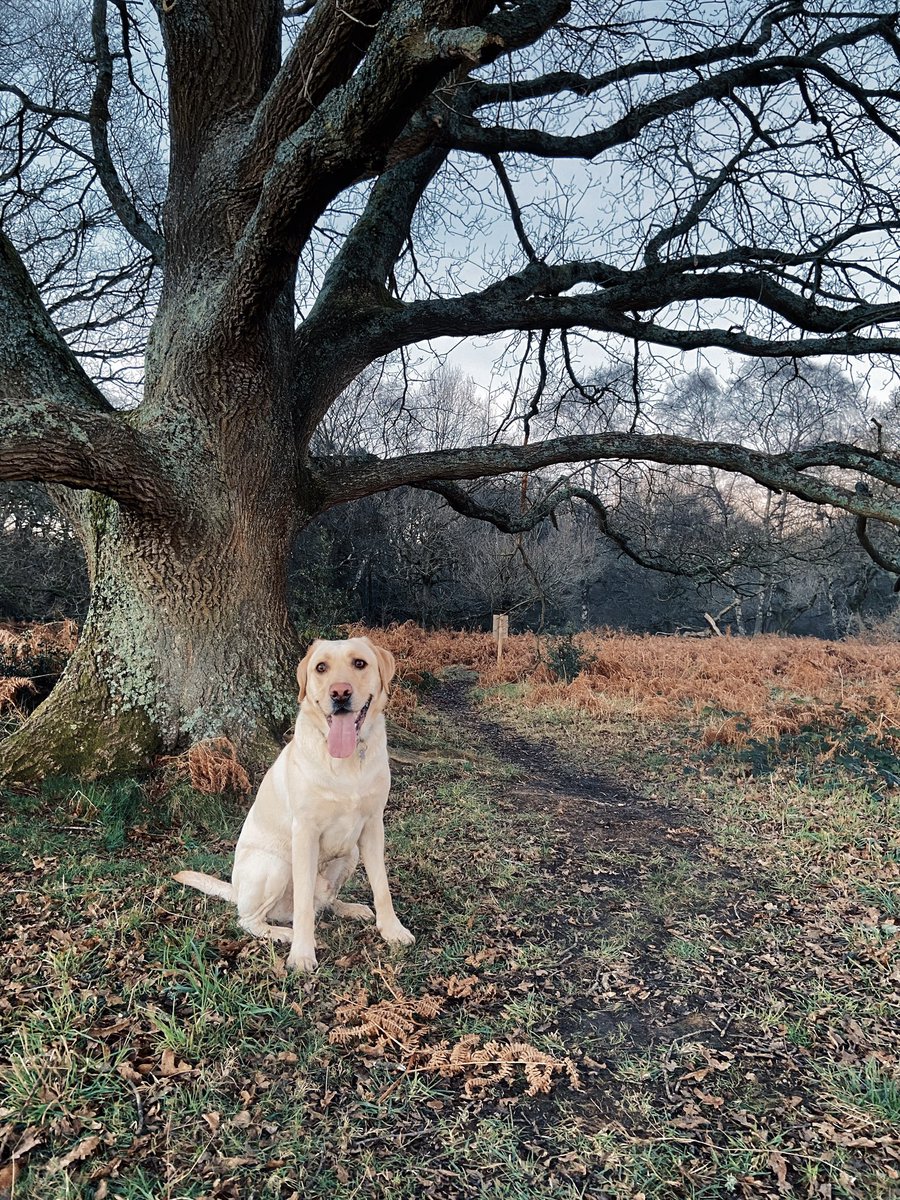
{"x":84,"y":1149}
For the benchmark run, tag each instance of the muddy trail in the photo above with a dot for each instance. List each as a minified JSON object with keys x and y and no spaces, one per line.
{"x":615,"y":868}
{"x":554,"y":783}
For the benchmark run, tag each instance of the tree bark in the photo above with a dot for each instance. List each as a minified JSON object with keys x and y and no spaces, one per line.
{"x":187,"y":636}
{"x":184,"y":640}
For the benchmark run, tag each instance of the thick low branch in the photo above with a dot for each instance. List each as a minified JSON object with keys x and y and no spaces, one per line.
{"x":781,"y":472}
{"x":43,"y":441}
{"x":529,"y":300}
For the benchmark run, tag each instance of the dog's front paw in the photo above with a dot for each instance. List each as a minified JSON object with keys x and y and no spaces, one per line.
{"x":302,"y":960}
{"x":397,"y":934}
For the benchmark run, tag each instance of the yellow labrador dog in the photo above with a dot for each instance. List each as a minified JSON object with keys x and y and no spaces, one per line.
{"x":319,"y":808}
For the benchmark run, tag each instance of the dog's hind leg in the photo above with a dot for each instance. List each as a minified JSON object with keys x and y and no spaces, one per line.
{"x":260,"y":893}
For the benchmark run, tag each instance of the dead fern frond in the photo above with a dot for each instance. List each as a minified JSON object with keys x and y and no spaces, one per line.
{"x":396,"y":1026}
{"x":49,"y":642}
{"x":399,"y":1020}
{"x":456,"y":986}
{"x":485,"y":1067}
{"x":211,"y":766}
{"x":11,"y":687}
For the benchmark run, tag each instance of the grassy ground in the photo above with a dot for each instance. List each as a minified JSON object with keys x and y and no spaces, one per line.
{"x":688,"y":956}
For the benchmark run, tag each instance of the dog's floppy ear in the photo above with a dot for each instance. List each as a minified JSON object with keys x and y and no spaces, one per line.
{"x":302,"y":669}
{"x":387,"y":665}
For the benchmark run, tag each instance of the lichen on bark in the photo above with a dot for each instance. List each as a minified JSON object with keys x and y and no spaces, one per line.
{"x":187,"y":637}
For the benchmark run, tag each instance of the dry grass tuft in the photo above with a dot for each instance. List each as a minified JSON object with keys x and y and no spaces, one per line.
{"x":211,"y":766}
{"x":10,"y":688}
{"x":403,"y":707}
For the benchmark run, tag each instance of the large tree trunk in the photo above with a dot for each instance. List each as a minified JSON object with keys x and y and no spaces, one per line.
{"x":188,"y":635}
{"x":185,"y":639}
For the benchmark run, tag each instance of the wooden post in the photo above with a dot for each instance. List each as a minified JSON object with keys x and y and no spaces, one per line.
{"x":500,"y":632}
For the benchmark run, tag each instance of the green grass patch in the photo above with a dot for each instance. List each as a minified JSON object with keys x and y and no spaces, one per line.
{"x":716,"y":954}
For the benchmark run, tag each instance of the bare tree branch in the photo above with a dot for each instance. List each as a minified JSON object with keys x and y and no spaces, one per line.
{"x":45,"y":441}
{"x":34,"y":359}
{"x":524,"y":521}
{"x":99,"y":117}
{"x":780,"y":472}
{"x":362,"y":266}
{"x":462,"y":132}
{"x":555,"y":83}
{"x":877,"y":555}
{"x":327,"y":50}
{"x":515,"y":211}
{"x":347,"y":137}
{"x":503,"y":519}
{"x":530,"y":300}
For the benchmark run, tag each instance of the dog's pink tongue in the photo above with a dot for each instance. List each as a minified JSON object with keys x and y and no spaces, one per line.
{"x":342,"y":735}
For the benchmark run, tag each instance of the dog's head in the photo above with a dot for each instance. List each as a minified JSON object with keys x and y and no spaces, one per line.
{"x":342,"y":686}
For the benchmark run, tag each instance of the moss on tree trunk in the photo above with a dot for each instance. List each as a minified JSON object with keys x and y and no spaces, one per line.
{"x":186,"y":638}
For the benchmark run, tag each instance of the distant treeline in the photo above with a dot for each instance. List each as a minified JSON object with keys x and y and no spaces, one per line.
{"x":757,"y":563}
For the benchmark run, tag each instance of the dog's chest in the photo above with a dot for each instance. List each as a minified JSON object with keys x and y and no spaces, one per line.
{"x":340,"y":812}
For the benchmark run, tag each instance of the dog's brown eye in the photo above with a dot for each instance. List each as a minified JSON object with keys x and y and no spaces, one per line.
{"x":321,"y":668}
{"x":359,"y":663}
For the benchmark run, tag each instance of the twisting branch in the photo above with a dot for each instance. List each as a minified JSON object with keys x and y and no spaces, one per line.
{"x":514,"y":210}
{"x":99,"y":116}
{"x":506,"y":521}
{"x":877,"y":556}
{"x":601,"y":513}
{"x":466,"y":133}
{"x":531,"y":299}
{"x":780,"y":472}
{"x":558,"y":82}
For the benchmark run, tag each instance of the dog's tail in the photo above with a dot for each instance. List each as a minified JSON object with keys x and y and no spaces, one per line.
{"x":205,"y":883}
